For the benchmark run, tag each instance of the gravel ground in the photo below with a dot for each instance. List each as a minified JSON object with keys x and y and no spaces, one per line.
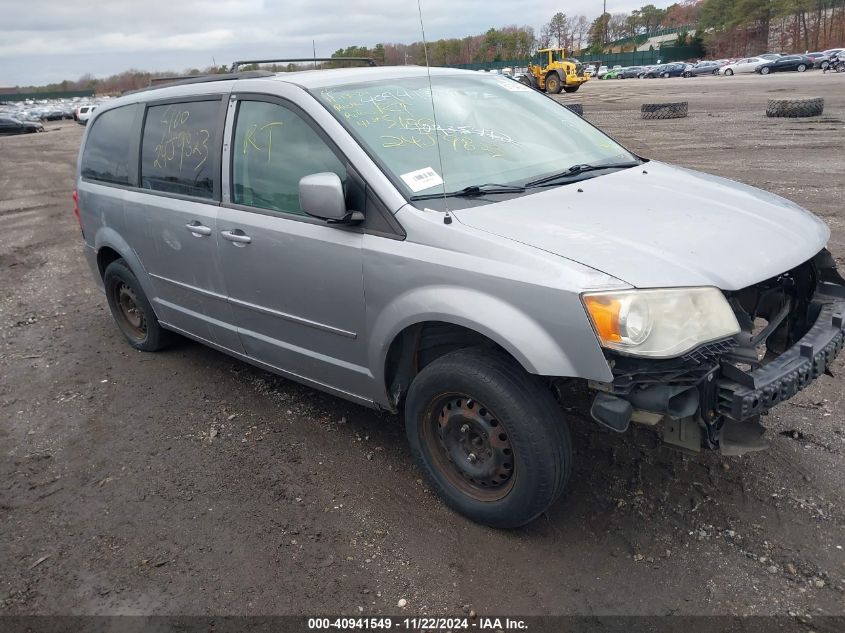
{"x":187,"y":482}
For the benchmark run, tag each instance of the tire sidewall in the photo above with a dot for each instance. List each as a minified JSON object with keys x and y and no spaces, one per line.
{"x":535,"y":448}
{"x":119,"y":272}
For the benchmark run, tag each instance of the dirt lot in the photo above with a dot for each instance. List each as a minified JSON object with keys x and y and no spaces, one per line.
{"x":188,"y":482}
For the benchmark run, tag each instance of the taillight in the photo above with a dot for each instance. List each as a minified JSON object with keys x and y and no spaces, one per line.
{"x":76,"y":208}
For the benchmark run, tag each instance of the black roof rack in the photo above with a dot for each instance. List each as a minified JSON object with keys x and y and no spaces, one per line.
{"x":367,"y":60}
{"x":161,"y":82}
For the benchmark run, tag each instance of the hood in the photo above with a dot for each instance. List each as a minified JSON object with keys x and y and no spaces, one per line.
{"x":667,"y":227}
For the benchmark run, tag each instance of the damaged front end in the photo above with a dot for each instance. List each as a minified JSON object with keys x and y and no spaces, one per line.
{"x":791,"y":330}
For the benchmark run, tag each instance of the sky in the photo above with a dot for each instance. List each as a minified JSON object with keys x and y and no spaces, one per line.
{"x":43,"y":41}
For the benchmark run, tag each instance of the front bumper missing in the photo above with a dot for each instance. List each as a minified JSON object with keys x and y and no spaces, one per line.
{"x":711,"y":400}
{"x":744,"y":395}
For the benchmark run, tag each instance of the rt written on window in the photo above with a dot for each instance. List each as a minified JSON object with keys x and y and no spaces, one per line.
{"x":273,"y":149}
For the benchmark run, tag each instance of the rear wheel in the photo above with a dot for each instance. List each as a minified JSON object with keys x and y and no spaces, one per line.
{"x":553,"y":84}
{"x":131,"y":309}
{"x":765,"y":71}
{"x":801,"y":68}
{"x":729,"y":72}
{"x":490,"y":438}
{"x":687,"y":74}
{"x":571,"y":88}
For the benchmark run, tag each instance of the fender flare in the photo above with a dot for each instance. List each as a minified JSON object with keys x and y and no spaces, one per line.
{"x":107,"y":237}
{"x":507,"y":325}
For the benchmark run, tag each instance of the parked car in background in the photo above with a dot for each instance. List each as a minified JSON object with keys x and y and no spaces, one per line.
{"x":615,"y":73}
{"x":10,"y":125}
{"x":829,"y":54}
{"x":83,"y":113}
{"x":818,"y":58}
{"x":701,"y":68}
{"x":675,"y":69}
{"x":770,"y":56}
{"x":798,"y":63}
{"x":744,"y":65}
{"x":632,"y":72}
{"x":601,"y":71}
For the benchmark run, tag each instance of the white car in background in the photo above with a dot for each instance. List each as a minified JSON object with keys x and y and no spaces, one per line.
{"x":602,"y":71}
{"x":83,"y":113}
{"x":745,"y":65}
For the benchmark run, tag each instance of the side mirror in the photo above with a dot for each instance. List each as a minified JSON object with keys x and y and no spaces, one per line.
{"x":321,"y":196}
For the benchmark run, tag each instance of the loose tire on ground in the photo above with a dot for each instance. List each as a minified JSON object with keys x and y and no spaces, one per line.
{"x":478,"y":401}
{"x":793,"y":108}
{"x":131,"y":309}
{"x":577,"y":108}
{"x":665,"y":110}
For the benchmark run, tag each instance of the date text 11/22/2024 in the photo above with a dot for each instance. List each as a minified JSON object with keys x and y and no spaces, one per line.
{"x":417,"y":624}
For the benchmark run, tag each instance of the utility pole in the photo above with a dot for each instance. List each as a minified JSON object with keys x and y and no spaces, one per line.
{"x":606,"y":21}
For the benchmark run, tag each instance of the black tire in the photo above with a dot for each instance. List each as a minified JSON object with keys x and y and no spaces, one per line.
{"x":793,"y":108}
{"x":577,"y":108}
{"x":453,"y":393}
{"x":131,"y":310}
{"x":665,"y":110}
{"x":729,"y":73}
{"x":687,"y":74}
{"x":571,"y":89}
{"x":765,"y":70}
{"x":553,"y":84}
{"x":801,"y":68}
{"x":665,"y":75}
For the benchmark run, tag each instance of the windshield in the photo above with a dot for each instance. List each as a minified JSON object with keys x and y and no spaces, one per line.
{"x":490,"y":129}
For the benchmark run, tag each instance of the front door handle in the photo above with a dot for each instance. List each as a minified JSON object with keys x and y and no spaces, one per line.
{"x":237,"y":236}
{"x":197,"y":229}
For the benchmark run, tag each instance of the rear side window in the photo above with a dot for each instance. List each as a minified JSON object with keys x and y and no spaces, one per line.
{"x":178,"y":151}
{"x":107,"y":154}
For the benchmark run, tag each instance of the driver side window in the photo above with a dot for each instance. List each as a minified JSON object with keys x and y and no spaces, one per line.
{"x":272,"y":150}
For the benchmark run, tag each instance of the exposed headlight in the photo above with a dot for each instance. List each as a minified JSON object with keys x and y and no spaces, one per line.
{"x":660,"y":323}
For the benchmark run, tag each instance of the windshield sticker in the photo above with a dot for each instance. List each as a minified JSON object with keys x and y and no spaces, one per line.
{"x":513,"y":85}
{"x":421,"y":179}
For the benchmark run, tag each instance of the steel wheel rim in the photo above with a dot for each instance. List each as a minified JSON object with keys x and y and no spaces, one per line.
{"x":471,"y":446}
{"x":131,"y":317}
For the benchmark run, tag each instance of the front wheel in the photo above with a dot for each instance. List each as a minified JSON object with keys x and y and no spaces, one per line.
{"x":687,"y":75}
{"x":729,"y":72}
{"x":489,"y":437}
{"x":571,"y":88}
{"x":553,"y":84}
{"x":764,"y":71}
{"x":801,"y":68}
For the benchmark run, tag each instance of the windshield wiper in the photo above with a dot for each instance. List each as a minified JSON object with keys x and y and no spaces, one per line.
{"x":575,"y":170}
{"x":472,"y":190}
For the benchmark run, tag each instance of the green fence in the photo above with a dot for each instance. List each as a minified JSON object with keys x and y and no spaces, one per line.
{"x":663,"y":55}
{"x":23,"y":96}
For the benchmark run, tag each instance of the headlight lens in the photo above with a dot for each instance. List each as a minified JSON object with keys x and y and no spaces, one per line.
{"x":660,"y":323}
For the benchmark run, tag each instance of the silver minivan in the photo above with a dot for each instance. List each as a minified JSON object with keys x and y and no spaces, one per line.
{"x":460,"y":248}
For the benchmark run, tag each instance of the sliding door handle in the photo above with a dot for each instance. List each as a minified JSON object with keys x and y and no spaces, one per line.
{"x":237,"y":236}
